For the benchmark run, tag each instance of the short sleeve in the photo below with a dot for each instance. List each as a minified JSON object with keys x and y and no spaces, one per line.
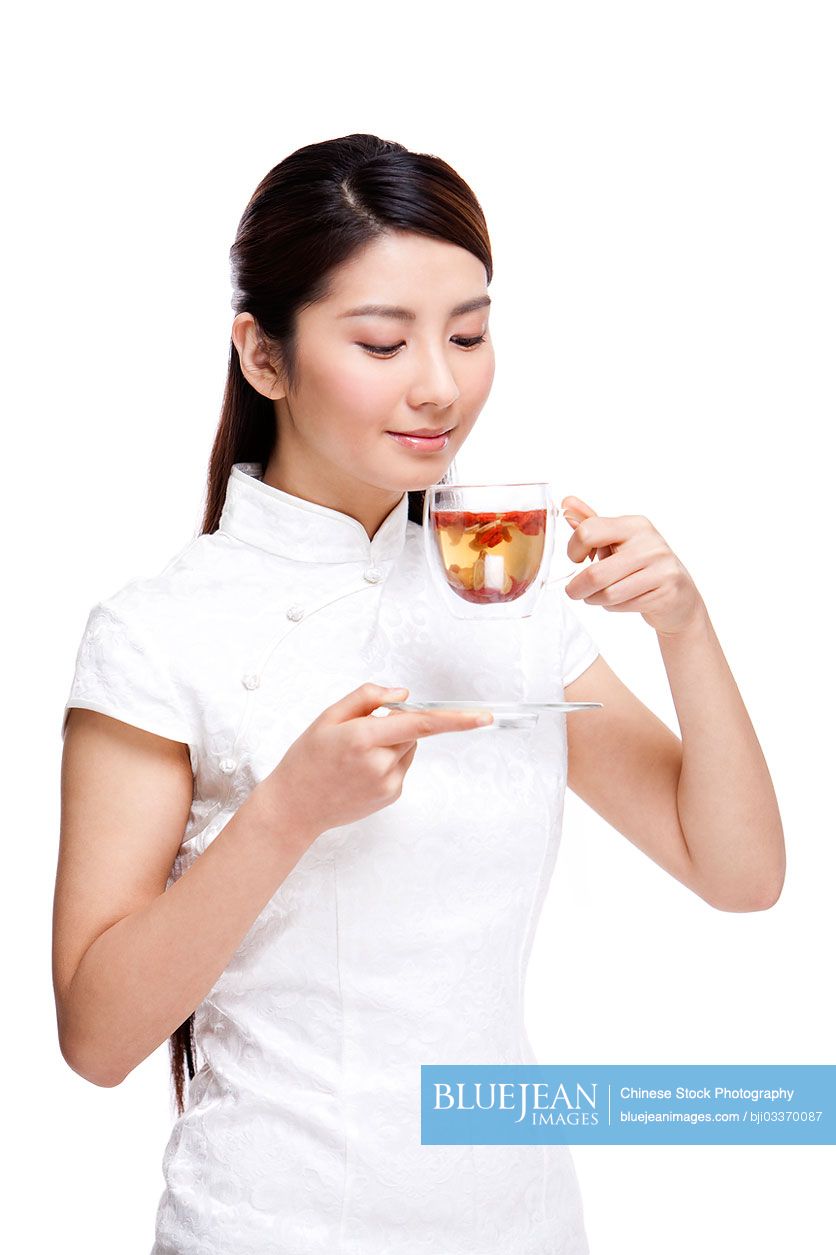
{"x":579,"y":650}
{"x":119,"y":672}
{"x":557,"y":647}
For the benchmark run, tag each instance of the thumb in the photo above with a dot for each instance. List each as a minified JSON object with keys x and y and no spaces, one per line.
{"x":362,"y":701}
{"x":577,"y":509}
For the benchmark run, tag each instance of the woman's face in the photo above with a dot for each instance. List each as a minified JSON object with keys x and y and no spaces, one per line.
{"x":361,"y":376}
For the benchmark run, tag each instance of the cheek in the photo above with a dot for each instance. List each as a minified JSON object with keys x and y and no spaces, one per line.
{"x":355,"y":390}
{"x":481,"y":377}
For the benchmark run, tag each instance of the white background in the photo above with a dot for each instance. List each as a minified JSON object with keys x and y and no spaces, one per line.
{"x":658,"y":181}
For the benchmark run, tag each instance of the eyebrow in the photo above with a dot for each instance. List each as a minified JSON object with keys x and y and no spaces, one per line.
{"x":409,"y":315}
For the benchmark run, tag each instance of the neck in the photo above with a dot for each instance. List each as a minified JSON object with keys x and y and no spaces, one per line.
{"x":369,"y":512}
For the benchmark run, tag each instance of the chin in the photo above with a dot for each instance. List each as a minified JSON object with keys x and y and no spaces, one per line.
{"x":427,"y":481}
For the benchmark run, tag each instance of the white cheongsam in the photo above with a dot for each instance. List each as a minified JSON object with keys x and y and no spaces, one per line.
{"x":397,"y":940}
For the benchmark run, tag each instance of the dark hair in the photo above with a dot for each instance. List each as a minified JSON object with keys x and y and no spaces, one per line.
{"x":307,"y":216}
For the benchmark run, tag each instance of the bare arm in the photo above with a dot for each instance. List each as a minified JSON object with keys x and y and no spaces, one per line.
{"x":130,"y":961}
{"x":704,"y":808}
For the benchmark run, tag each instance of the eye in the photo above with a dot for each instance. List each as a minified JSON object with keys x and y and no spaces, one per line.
{"x":380,"y":350}
{"x":389,"y":350}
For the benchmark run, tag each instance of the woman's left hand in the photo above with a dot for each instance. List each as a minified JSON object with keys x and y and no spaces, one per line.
{"x":635,"y":569}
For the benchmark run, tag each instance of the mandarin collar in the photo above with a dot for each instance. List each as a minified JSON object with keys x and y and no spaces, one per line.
{"x":304,"y":531}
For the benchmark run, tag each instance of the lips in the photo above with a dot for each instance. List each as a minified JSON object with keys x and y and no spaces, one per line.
{"x":430,"y":443}
{"x":422,"y":431}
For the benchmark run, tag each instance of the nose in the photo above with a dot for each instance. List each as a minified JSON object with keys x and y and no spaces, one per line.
{"x":433,"y":381}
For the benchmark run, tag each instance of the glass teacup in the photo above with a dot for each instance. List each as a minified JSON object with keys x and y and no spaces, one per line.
{"x":489,"y":546}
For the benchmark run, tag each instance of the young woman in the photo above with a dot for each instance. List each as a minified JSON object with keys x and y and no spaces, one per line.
{"x":291,"y":890}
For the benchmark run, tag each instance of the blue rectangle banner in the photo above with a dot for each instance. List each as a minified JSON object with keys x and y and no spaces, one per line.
{"x":615,"y":1104}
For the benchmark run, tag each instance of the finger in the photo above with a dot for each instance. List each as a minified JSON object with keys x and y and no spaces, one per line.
{"x":573,"y":523}
{"x":641,"y":604}
{"x":596,"y":532}
{"x":576,"y":511}
{"x":607,"y":570}
{"x":637,"y":585}
{"x":400,"y":751}
{"x":406,"y":758}
{"x":577,"y":508}
{"x":407,"y":725}
{"x":362,"y":701}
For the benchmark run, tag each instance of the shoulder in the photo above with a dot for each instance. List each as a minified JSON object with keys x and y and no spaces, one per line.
{"x":166,"y":606}
{"x":137,"y":648}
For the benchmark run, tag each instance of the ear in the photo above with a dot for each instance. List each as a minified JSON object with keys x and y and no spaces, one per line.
{"x":258,"y":364}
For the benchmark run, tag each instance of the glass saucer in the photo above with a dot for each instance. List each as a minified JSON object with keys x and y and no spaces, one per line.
{"x":505,"y":714}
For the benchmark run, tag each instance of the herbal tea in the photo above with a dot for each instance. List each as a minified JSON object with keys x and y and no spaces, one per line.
{"x":490,"y":557}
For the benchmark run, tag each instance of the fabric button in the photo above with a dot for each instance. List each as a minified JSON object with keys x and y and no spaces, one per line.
{"x":295,"y":613}
{"x":250,"y":681}
{"x":373,"y":574}
{"x":227,"y":766}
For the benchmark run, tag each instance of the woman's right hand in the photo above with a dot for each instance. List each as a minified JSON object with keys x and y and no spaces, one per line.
{"x":347,"y":764}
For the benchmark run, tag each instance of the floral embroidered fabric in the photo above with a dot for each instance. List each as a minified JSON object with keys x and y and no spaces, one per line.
{"x":397,"y":940}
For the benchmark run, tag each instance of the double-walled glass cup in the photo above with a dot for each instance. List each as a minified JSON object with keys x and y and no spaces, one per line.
{"x":489,"y":547}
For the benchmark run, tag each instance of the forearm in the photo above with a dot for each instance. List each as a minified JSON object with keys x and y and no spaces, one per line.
{"x":144,"y":976}
{"x":726,"y":801}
